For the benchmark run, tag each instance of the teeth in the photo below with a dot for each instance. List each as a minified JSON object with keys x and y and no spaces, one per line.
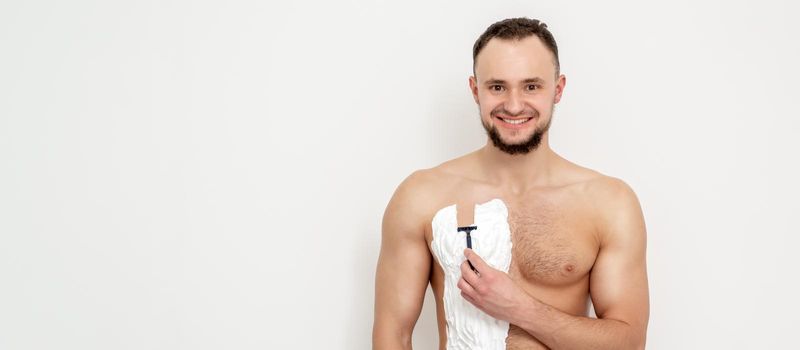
{"x":518,"y":121}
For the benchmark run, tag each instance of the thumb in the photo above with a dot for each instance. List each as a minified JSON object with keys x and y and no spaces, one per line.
{"x":476,"y":260}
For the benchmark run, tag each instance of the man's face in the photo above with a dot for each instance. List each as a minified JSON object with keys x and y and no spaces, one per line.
{"x":516,"y":89}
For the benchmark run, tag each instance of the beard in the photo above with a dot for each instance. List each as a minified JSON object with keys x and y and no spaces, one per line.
{"x":527,"y":145}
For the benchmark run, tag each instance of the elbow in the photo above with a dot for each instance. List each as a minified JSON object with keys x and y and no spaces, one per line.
{"x":630,"y":337}
{"x":390,"y":338}
{"x":637,"y":346}
{"x":636,"y":340}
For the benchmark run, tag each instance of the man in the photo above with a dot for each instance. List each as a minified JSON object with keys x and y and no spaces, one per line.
{"x":575,"y":234}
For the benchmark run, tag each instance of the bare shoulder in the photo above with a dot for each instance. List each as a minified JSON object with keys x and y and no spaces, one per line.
{"x":614,"y":205}
{"x":607,"y":189}
{"x":415,"y":188}
{"x":416,"y":198}
{"x":599,"y":188}
{"x":431,"y":184}
{"x":618,"y":210}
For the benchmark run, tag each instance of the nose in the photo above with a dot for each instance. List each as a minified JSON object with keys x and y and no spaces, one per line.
{"x":514,"y":104}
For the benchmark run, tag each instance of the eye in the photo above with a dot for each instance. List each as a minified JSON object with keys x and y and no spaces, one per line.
{"x":532,"y":87}
{"x":497,"y":88}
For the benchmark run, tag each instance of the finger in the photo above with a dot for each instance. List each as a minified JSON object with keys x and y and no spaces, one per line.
{"x":476,"y":261}
{"x":469,"y":299}
{"x":465,"y":287}
{"x":470,"y":276}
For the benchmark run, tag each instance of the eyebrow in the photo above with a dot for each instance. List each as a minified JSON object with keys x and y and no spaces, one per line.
{"x":536,"y":80}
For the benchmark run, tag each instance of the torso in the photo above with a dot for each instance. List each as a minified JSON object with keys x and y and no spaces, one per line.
{"x":554,"y":242}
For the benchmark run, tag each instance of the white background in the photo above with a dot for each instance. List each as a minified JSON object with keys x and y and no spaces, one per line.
{"x":212,"y":175}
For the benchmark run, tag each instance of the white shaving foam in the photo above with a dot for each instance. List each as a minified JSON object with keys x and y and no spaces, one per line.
{"x":467,"y":326}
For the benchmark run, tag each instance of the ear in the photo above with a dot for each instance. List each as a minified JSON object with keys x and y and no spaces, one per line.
{"x":473,"y":87}
{"x":562,"y":81}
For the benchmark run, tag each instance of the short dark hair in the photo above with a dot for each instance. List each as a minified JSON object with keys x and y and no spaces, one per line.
{"x":517,"y":29}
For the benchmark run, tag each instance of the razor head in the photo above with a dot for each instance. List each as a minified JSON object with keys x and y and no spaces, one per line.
{"x":468,"y":230}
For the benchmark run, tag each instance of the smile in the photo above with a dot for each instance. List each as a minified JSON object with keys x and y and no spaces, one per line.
{"x":514,"y":122}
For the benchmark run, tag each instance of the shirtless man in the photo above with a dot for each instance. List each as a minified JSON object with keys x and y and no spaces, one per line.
{"x":577,"y":235}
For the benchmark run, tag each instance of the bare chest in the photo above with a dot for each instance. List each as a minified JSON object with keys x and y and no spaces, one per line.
{"x":554,"y":241}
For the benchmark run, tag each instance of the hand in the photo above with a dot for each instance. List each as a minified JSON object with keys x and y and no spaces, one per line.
{"x":491,"y":290}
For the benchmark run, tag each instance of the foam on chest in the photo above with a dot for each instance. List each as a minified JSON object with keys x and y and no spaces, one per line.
{"x":467,"y":326}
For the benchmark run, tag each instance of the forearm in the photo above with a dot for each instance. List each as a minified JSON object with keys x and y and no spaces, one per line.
{"x":561,"y":331}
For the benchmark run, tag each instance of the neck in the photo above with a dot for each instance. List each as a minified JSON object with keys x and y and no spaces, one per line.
{"x":519,"y":172}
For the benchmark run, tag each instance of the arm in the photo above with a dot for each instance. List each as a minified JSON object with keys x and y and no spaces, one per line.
{"x":403,"y":270}
{"x":618,"y":287}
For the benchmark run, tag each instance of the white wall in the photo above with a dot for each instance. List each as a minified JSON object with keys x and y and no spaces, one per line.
{"x":198,"y":175}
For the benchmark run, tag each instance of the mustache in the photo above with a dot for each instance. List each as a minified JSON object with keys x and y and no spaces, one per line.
{"x":527,"y":112}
